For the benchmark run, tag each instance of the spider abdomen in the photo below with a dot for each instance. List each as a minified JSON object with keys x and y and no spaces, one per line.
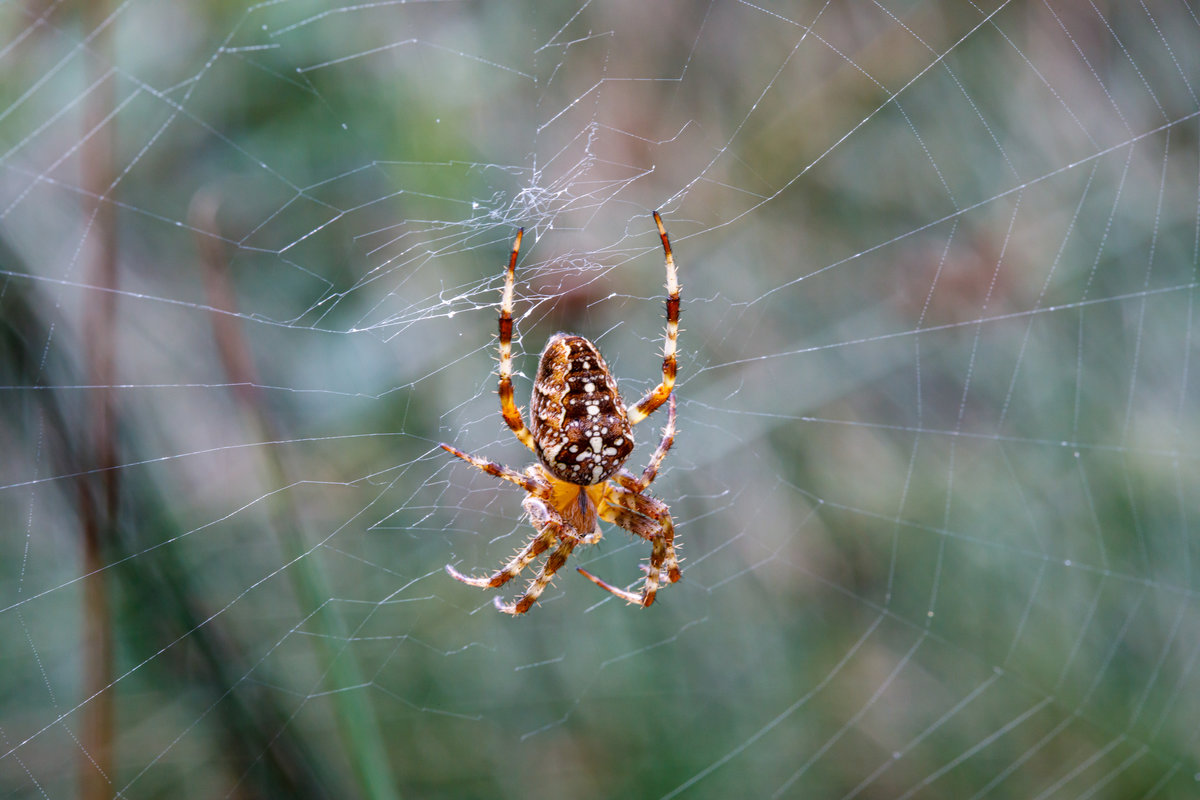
{"x":579,"y":426}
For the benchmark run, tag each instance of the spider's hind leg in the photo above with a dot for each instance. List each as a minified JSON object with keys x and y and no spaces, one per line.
{"x":659,"y":394}
{"x":508,"y":406}
{"x":638,"y":485}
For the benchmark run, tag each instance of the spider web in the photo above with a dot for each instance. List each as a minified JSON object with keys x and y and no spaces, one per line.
{"x":935,"y":477}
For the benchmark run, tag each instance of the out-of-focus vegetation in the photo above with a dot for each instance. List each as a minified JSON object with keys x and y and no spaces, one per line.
{"x":935,"y":481}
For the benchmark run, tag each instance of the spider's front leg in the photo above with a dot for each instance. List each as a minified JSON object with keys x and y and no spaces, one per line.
{"x":534,"y":548}
{"x":537,"y":488}
{"x":651,"y":520}
{"x":550,"y":526}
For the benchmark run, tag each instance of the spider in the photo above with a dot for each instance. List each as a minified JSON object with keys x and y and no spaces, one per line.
{"x":582,"y":434}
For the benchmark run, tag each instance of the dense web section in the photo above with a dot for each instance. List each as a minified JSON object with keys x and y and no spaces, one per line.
{"x":935,"y":481}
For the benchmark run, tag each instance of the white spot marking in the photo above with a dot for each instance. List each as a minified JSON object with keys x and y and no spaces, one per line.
{"x":597,"y":443}
{"x":589,"y":387}
{"x":593,"y":410}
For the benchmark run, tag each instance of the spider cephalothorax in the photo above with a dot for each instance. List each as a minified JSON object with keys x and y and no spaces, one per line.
{"x":582,"y":434}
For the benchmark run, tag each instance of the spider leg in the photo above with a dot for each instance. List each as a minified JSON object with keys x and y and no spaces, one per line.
{"x":659,"y":394}
{"x":638,"y":485}
{"x":534,"y":548}
{"x":650,"y":519}
{"x":550,"y":526}
{"x":508,"y":406}
{"x":657,"y":510}
{"x":547,"y":532}
{"x":534,"y":487}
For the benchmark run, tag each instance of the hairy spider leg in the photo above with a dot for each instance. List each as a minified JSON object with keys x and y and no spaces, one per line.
{"x":550,"y":526}
{"x":547,"y":533}
{"x":508,"y":406}
{"x":651,"y":520}
{"x":635,"y":484}
{"x":533,"y":548}
{"x":526,"y":482}
{"x":659,"y":394}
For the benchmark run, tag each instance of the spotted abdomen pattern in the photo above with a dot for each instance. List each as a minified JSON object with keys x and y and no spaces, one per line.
{"x":580,"y":429}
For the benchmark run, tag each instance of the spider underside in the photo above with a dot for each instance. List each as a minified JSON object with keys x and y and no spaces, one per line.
{"x":582,"y":435}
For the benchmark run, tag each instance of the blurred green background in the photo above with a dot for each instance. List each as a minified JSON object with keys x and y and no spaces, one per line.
{"x":936,"y":474}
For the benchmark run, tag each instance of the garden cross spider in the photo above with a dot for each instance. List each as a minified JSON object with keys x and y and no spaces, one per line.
{"x":582,"y":434}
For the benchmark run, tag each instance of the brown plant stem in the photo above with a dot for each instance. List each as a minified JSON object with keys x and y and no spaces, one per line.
{"x":99,"y":491}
